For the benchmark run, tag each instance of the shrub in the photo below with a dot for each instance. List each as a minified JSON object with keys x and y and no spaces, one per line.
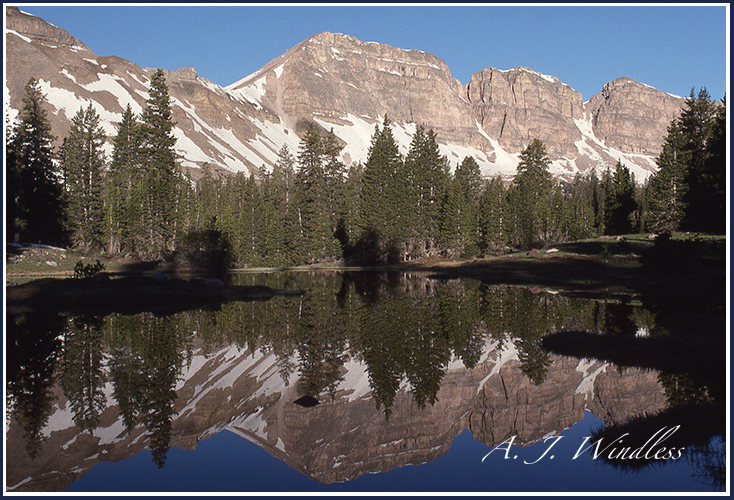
{"x":82,"y":270}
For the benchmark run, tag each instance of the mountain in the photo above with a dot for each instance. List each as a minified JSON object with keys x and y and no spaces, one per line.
{"x":343,"y":83}
{"x":243,"y":391}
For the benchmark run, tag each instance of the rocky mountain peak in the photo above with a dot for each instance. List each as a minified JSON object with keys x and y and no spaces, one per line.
{"x":519,"y":105}
{"x":338,"y":81}
{"x":36,"y":28}
{"x":344,"y":84}
{"x":632,"y":117}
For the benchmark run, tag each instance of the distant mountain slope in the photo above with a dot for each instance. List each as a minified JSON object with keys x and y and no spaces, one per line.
{"x":342,"y":83}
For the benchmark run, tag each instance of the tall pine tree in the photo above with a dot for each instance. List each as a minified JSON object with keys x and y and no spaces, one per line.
{"x":491,"y":219}
{"x":83,"y":163}
{"x":164,"y":182}
{"x":381,"y":201}
{"x":427,"y":179}
{"x":699,"y":125}
{"x":620,"y":202}
{"x":39,"y":208}
{"x":529,"y":194}
{"x":315,"y":235}
{"x":124,"y":170}
{"x":690,"y":174}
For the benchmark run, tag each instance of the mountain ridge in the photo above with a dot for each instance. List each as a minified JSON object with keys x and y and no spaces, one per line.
{"x":340,"y":82}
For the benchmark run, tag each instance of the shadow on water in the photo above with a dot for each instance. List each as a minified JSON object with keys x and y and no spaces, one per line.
{"x":689,"y":351}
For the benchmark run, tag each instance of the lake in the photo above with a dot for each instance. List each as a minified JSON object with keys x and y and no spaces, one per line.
{"x":370,"y":381}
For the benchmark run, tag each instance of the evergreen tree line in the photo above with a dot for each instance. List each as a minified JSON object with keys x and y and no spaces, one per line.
{"x":360,"y":316}
{"x":135,"y":204}
{"x":311,"y":208}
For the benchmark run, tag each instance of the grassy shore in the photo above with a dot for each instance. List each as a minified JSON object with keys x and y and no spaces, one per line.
{"x":604,"y":262}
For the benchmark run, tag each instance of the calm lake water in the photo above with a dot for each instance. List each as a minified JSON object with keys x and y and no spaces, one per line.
{"x":367,"y":382}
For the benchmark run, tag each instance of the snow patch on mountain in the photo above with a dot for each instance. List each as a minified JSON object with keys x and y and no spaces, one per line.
{"x":61,"y":419}
{"x":357,"y":135}
{"x":192,"y":154}
{"x":24,"y":38}
{"x":113,"y":85}
{"x":505,"y":163}
{"x":640,"y":165}
{"x":251,"y":93}
{"x":10,"y":113}
{"x":111,"y":434}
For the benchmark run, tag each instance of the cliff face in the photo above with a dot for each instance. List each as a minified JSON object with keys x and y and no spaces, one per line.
{"x":632,"y":117}
{"x":347,"y":85}
{"x":332,"y":76}
{"x":242,"y":391}
{"x":26,"y":24}
{"x":520,"y":105}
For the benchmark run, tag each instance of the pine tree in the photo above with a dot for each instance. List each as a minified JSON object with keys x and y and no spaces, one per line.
{"x":711,"y":215}
{"x":491,"y":219}
{"x":469,"y":176}
{"x":381,"y":200}
{"x":40,"y":206}
{"x":427,"y":178}
{"x":556,"y":219}
{"x":582,"y":212}
{"x":620,"y":201}
{"x":83,"y":162}
{"x":335,"y":177}
{"x":12,"y":185}
{"x":700,"y":120}
{"x":161,"y":170}
{"x":278,"y":190}
{"x":531,"y":188}
{"x":452,"y":221}
{"x":315,"y":193}
{"x":667,"y":187}
{"x":282,"y":179}
{"x":690,"y":175}
{"x":123,"y":172}
{"x":348,"y":231}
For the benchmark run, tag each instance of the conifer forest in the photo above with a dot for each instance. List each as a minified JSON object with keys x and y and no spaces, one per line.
{"x":312,"y":208}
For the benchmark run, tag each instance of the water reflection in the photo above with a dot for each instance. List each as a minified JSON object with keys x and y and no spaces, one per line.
{"x":429,"y":356}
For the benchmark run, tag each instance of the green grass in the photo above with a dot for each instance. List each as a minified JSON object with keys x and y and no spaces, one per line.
{"x":27,"y":263}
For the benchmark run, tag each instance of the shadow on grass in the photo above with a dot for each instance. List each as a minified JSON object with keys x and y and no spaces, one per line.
{"x":608,"y":247}
{"x":138,"y":268}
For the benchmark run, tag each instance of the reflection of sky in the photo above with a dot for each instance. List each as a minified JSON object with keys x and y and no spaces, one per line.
{"x":226,"y":463}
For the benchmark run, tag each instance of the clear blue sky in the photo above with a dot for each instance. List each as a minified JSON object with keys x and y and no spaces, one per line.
{"x":672,"y":48}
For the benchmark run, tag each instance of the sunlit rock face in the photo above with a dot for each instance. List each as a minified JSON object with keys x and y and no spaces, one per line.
{"x":520,"y":105}
{"x":348,"y":85}
{"x":632,"y":117}
{"x":332,"y":77}
{"x":248,"y":393}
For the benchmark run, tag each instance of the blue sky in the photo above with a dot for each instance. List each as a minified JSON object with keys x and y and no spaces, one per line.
{"x":670,"y":47}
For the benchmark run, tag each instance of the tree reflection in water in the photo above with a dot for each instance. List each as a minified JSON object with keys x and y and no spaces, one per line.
{"x":404,"y":328}
{"x":33,"y":347}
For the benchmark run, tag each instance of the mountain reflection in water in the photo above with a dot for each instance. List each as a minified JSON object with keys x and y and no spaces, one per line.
{"x":395,"y":365}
